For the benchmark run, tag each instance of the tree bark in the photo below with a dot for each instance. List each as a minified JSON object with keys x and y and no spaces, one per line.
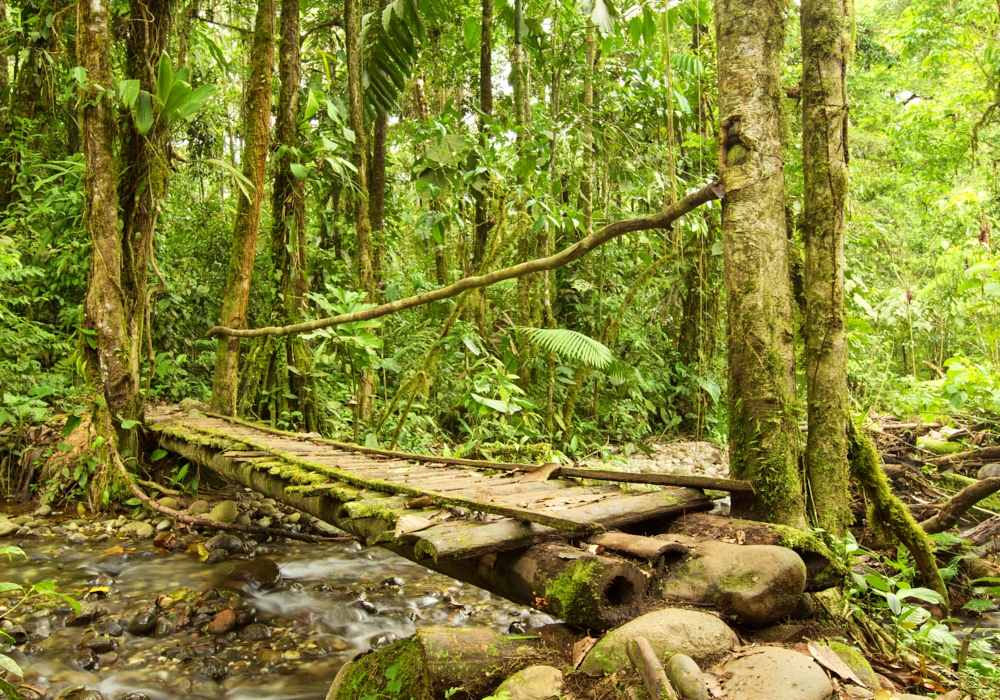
{"x":256,"y":127}
{"x":825,"y":50}
{"x":482,"y":222}
{"x":763,"y":429}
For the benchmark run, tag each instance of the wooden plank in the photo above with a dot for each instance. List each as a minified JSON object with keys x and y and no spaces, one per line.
{"x":616,"y":512}
{"x":557,"y":521}
{"x":698,"y":482}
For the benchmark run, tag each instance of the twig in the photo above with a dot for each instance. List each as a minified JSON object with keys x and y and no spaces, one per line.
{"x":155,"y":486}
{"x":204,"y":523}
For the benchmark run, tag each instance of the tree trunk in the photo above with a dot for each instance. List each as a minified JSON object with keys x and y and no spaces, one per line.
{"x":256,"y":127}
{"x":825,"y":50}
{"x":482,"y":222}
{"x":362,"y":212}
{"x":763,"y":429}
{"x":109,"y":346}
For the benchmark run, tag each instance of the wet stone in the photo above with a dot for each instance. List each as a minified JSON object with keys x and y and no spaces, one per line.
{"x":108,"y":627}
{"x":99,"y":645}
{"x":392,"y":582}
{"x":19,"y":635}
{"x":182,"y":623}
{"x":217,"y":556}
{"x":245,"y":616}
{"x":213,"y":668}
{"x":255,"y":632}
{"x":142,"y":623}
{"x":84,"y":660}
{"x":199,"y":507}
{"x":180,"y":654}
{"x":88,"y":615}
{"x":163,"y":627}
{"x":223,"y":622}
{"x":81,"y":694}
{"x":367,"y":606}
{"x":168,"y":502}
{"x":259,"y":572}
{"x":134,"y":696}
{"x":33,"y":649}
{"x":106,"y":659}
{"x":269,"y":656}
{"x":230,"y":543}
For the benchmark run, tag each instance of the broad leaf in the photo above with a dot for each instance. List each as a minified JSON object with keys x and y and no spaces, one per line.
{"x":570,"y":345}
{"x":144,"y":112}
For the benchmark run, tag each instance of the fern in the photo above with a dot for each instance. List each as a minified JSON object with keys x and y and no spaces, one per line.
{"x":570,"y":345}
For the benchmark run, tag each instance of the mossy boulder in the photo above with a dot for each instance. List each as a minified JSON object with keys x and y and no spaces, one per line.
{"x":755,"y":584}
{"x":533,"y":683}
{"x":199,"y":507}
{"x":670,"y":631}
{"x":224,"y":512}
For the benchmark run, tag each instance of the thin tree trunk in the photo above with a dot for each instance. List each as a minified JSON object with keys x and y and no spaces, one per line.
{"x":824,"y":151}
{"x":256,"y":127}
{"x":524,"y":284}
{"x":109,"y":344}
{"x":762,"y":424}
{"x":362,"y":213}
{"x":482,"y":222}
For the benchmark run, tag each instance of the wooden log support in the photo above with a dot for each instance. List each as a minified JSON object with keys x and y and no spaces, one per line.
{"x":654,"y":678}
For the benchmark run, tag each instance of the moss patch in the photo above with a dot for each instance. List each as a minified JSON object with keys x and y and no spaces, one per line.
{"x":573,"y":594}
{"x":957,"y":482}
{"x":404,"y":660}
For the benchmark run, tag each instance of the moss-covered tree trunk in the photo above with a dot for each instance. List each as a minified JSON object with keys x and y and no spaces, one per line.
{"x":482,"y":222}
{"x":256,"y":136}
{"x":277,"y":380}
{"x":762,"y":423}
{"x":825,"y":50}
{"x":362,"y":206}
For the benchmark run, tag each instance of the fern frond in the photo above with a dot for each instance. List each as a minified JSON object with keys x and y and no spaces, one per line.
{"x":569,"y":345}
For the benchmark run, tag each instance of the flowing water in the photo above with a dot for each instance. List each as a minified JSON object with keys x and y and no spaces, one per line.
{"x":333,"y":601}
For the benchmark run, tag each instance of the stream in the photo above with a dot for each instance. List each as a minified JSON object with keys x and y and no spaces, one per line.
{"x":334,"y":600}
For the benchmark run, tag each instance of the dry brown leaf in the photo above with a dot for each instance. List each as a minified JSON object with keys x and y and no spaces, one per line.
{"x":411,"y":523}
{"x":581,"y":648}
{"x":541,"y":474}
{"x":714,"y":686}
{"x":828,"y":659}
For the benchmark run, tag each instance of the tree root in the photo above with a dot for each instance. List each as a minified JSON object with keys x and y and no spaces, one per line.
{"x":205,"y":523}
{"x":888,"y":513}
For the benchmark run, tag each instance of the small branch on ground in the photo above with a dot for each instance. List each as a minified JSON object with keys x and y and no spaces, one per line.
{"x":205,"y":523}
{"x":156,"y":487}
{"x":985,"y":453}
{"x":954,"y":509}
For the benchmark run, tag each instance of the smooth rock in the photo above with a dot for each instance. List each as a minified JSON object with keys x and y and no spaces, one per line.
{"x":224,"y":512}
{"x":534,"y":683}
{"x":140,"y":529}
{"x":142,"y":623}
{"x":218,"y":555}
{"x":223,"y":622}
{"x":42,"y":510}
{"x":988,"y":470}
{"x":785,"y":633}
{"x":199,"y":507}
{"x":168,"y":502}
{"x":856,"y":661}
{"x":772,"y":673}
{"x":84,"y":659}
{"x":77,"y":538}
{"x":243,"y":519}
{"x":230,"y":543}
{"x":108,"y":627}
{"x":87,"y":615}
{"x":134,"y":696}
{"x":99,"y":645}
{"x":213,"y":668}
{"x":699,"y":635}
{"x":258,"y":572}
{"x":164,"y":524}
{"x":756,"y":584}
{"x":8,"y":528}
{"x":686,"y":677}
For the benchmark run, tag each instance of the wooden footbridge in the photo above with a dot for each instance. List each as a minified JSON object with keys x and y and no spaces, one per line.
{"x":513,"y":529}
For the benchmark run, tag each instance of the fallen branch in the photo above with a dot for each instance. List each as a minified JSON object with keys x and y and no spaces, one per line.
{"x":205,"y":523}
{"x":156,"y":487}
{"x":662,"y":220}
{"x":983,"y":532}
{"x":654,"y":678}
{"x":955,"y":508}
{"x":985,"y":453}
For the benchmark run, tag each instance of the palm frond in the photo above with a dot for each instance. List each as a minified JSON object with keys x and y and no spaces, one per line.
{"x":569,"y":345}
{"x":398,"y":31}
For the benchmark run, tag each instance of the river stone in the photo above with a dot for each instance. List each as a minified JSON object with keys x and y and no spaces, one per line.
{"x":168,"y":502}
{"x":84,"y":659}
{"x":989,"y":470}
{"x":857,"y":663}
{"x":87,"y":615}
{"x":755,"y":584}
{"x":213,"y":668}
{"x":230,"y":543}
{"x":258,"y":572}
{"x":140,"y":529}
{"x":224,"y":512}
{"x":255,"y":632}
{"x":142,"y":623}
{"x":134,"y":696}
{"x":164,"y":524}
{"x":199,"y":507}
{"x":534,"y":683}
{"x":42,"y":510}
{"x":8,"y":528}
{"x":223,"y":622}
{"x":108,"y":627}
{"x":686,"y":677}
{"x":701,"y":636}
{"x":773,"y":673}
{"x":217,"y":556}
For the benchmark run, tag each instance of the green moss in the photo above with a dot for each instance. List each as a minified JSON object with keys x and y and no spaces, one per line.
{"x":957,"y":482}
{"x":856,"y":662}
{"x":745,"y":582}
{"x":573,"y":594}
{"x":368,"y":674}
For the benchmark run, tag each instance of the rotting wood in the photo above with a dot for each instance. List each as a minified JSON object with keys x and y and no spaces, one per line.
{"x":985,"y":453}
{"x":638,"y":546}
{"x":698,"y":482}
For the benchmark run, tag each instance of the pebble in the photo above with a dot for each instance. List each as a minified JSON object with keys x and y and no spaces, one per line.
{"x":108,"y":627}
{"x":84,"y":660}
{"x":255,"y":632}
{"x":199,"y":507}
{"x":43,"y":510}
{"x":217,"y":556}
{"x":168,"y":502}
{"x":230,"y":543}
{"x":142,"y":623}
{"x":213,"y":668}
{"x":268,"y":656}
{"x":223,"y":622}
{"x":99,"y":645}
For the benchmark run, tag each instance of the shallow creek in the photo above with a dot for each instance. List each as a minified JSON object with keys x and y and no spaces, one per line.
{"x":333,"y":601}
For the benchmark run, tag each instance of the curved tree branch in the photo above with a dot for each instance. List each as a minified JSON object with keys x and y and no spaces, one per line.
{"x":954,"y":509}
{"x":576,"y":251}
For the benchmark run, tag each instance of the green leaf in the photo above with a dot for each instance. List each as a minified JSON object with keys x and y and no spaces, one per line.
{"x":10,"y":691}
{"x":895,"y":605}
{"x":157,"y":455}
{"x":570,"y":345}
{"x":992,"y":289}
{"x":473,"y":31}
{"x":10,"y":586}
{"x":143,"y":113}
{"x":246,"y":187}
{"x":71,"y":424}
{"x":179,"y":95}
{"x":925,"y":594}
{"x":196,"y":100}
{"x":129,"y":90}
{"x":298,"y":170}
{"x":164,"y":79}
{"x":133,"y":502}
